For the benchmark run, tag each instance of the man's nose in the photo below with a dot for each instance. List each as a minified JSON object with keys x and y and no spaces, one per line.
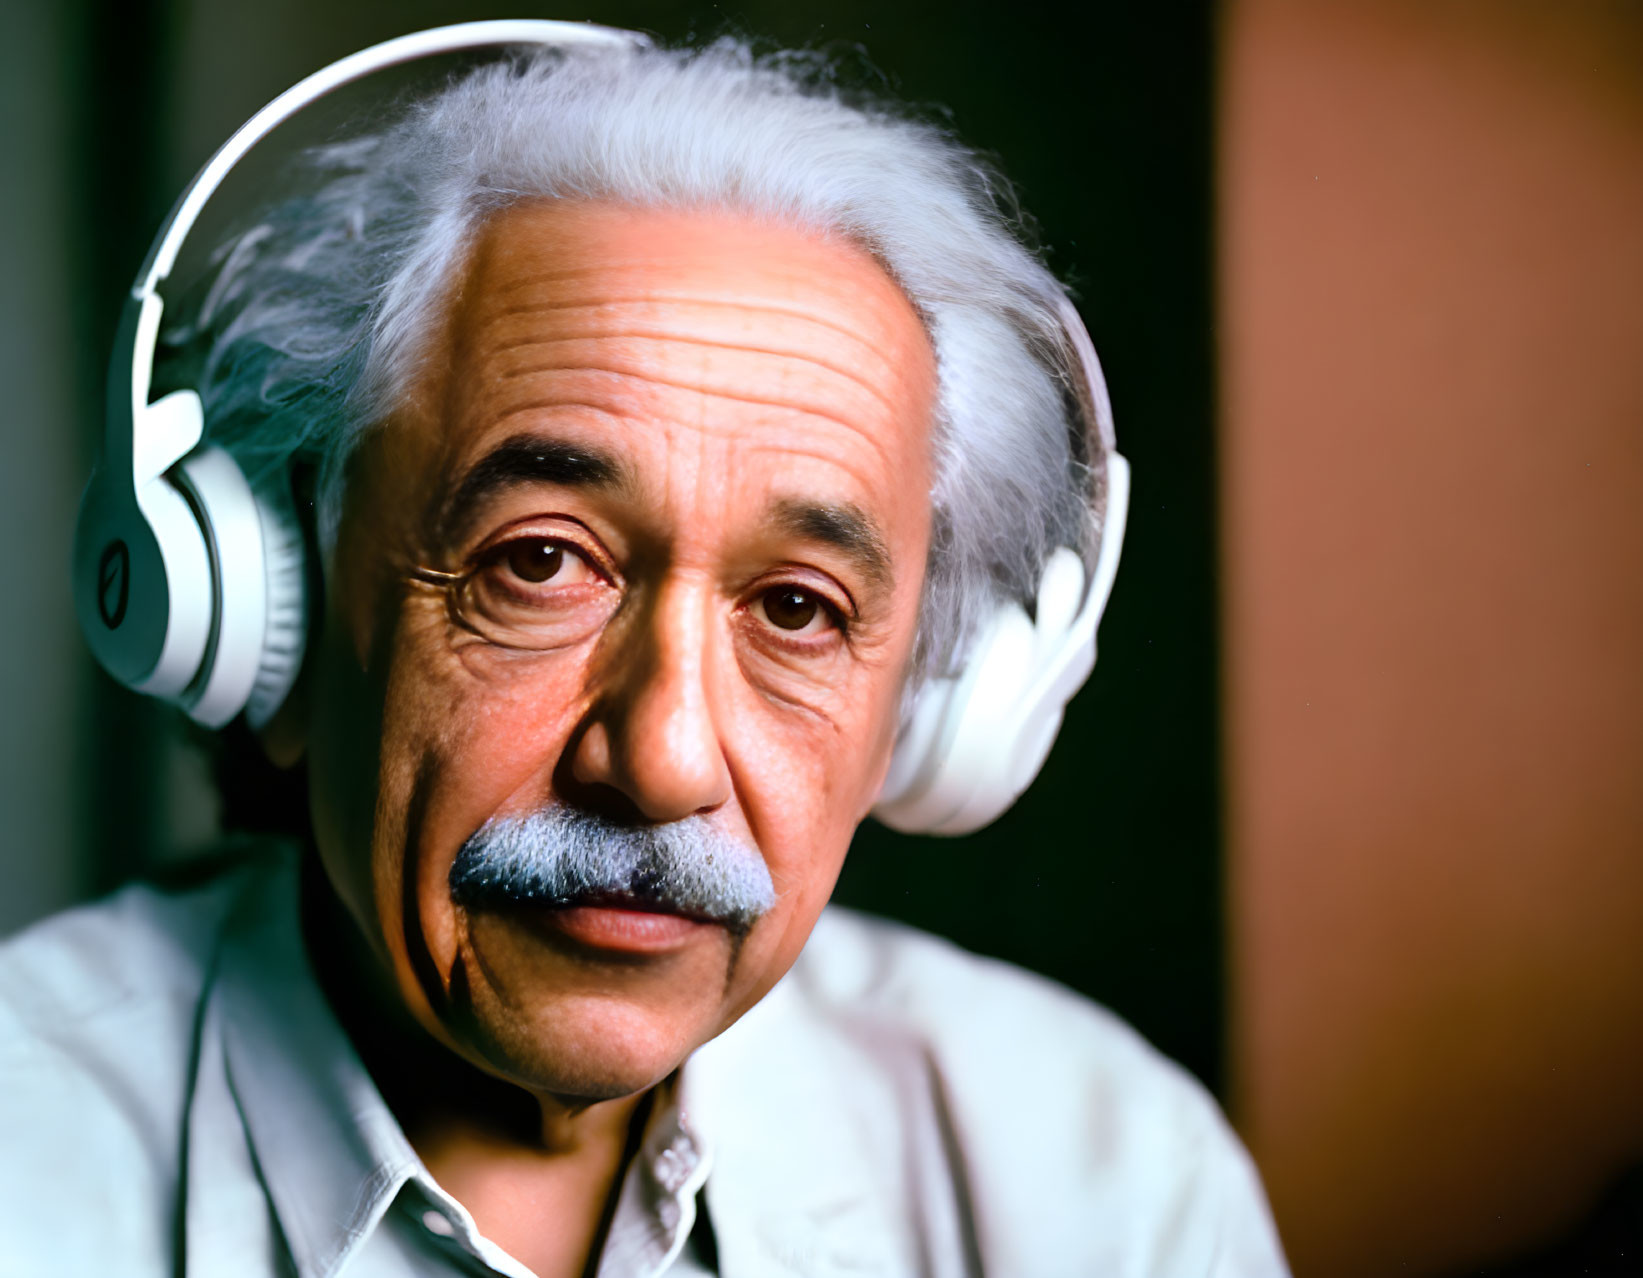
{"x":652,"y":734}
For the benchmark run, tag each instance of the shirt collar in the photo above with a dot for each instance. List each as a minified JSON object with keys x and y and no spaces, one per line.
{"x":330,"y":1153}
{"x":798,"y":1180}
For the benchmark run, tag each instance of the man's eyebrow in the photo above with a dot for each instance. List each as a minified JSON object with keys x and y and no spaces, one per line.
{"x":528,"y":459}
{"x":844,"y":526}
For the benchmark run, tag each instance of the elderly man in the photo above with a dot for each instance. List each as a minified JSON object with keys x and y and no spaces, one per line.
{"x":669,"y":422}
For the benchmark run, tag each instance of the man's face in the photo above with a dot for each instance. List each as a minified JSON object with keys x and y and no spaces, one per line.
{"x":700,"y":446}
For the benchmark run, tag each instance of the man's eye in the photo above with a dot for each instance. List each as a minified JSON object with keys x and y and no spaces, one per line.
{"x":537,"y":561}
{"x":535,"y":592}
{"x":794,"y":610}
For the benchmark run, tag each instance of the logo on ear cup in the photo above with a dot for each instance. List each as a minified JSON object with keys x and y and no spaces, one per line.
{"x":113,"y":583}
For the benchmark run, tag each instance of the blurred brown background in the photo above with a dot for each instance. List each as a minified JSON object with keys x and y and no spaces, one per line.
{"x":1350,"y":819}
{"x":1431,"y":336}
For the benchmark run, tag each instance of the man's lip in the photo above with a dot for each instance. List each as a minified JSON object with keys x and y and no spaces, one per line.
{"x":613,"y":923}
{"x":630,"y":904}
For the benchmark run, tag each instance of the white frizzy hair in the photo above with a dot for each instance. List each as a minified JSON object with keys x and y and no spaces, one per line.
{"x":316,"y":318}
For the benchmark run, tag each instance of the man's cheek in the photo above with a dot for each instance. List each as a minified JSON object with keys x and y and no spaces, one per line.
{"x":814,"y":768}
{"x":496,"y":718}
{"x":477,"y":748}
{"x":803,"y":804}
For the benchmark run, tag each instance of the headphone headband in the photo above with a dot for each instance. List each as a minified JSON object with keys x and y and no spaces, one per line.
{"x":138,"y":334}
{"x":356,"y":66}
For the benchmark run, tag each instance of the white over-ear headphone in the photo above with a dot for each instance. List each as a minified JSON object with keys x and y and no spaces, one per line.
{"x":189,"y":582}
{"x":975,"y":742}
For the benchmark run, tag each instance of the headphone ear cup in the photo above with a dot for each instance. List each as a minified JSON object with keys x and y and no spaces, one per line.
{"x":256,"y":551}
{"x":143,"y":575}
{"x":286,"y":576}
{"x":967,"y":755}
{"x":917,"y":753}
{"x":958,"y":767}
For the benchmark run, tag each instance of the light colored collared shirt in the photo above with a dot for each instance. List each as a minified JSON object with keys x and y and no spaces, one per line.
{"x":177,"y":1098}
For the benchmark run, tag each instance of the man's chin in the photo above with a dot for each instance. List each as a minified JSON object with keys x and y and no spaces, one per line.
{"x":590,"y":1003}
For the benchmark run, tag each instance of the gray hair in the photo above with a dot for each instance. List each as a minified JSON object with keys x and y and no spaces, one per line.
{"x":314,"y":321}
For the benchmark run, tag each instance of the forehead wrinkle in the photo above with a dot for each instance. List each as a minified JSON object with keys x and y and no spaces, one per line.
{"x":651,"y":299}
{"x":735,"y":348}
{"x":708,"y":426}
{"x":849,"y":466}
{"x":650,"y":380}
{"x":548,"y":406}
{"x":659,"y":307}
{"x":599,"y":267}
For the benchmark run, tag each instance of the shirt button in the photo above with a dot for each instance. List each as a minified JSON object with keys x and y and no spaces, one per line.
{"x":436,"y":1223}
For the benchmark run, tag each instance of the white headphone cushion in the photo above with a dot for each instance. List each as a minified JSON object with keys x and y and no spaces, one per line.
{"x":258,"y":610}
{"x":955,"y":751}
{"x":976,"y":743}
{"x":287,"y":583}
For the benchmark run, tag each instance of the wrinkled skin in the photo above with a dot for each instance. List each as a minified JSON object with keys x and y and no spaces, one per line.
{"x":733,"y":372}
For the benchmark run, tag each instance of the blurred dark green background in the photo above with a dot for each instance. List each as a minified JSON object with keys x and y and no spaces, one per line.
{"x":1106,"y":876}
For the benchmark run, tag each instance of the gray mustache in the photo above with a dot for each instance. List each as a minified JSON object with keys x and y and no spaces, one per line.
{"x":559,"y":856}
